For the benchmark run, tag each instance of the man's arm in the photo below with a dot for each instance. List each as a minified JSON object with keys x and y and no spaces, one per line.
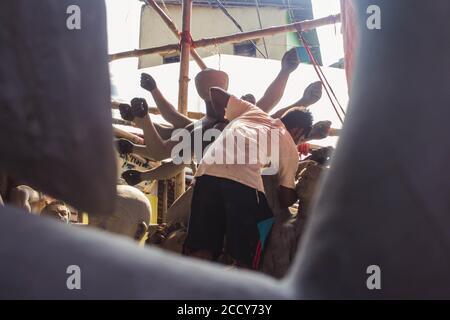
{"x":219,"y":100}
{"x":288,"y":164}
{"x":276,"y":89}
{"x":168,"y":111}
{"x":287,"y":197}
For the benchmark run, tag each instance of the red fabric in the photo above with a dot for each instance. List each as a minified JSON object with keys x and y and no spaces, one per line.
{"x":349,"y":20}
{"x":303,"y":149}
{"x":186,"y":37}
{"x":257,"y":256}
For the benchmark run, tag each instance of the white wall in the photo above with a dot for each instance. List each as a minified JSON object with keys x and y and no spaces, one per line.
{"x":208,"y":22}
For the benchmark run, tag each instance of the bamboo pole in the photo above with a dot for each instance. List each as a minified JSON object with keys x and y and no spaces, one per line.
{"x":165,"y":199}
{"x":191,"y":114}
{"x":152,"y":110}
{"x":184,"y":79}
{"x":239,"y":37}
{"x":233,"y":38}
{"x":184,"y":59}
{"x":168,"y":21}
{"x":170,"y":48}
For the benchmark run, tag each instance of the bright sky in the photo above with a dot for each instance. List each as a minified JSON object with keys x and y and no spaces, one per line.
{"x":123,"y":17}
{"x":330,"y":37}
{"x":123,"y":28}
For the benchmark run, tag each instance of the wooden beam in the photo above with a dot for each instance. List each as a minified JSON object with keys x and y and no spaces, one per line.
{"x":170,"y":48}
{"x":184,"y":58}
{"x":233,"y":38}
{"x":152,"y":110}
{"x":165,"y":199}
{"x":169,"y":22}
{"x":191,"y":114}
{"x":180,"y":187}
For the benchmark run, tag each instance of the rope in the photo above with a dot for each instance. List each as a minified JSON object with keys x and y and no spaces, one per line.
{"x":318,"y":70}
{"x":311,"y":56}
{"x":186,"y":37}
{"x":307,"y":46}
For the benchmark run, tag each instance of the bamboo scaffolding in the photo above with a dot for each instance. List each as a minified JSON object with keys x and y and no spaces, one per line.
{"x":191,"y":114}
{"x":165,"y":199}
{"x":184,"y":58}
{"x":168,"y":21}
{"x":233,"y":38}
{"x":184,"y":79}
{"x":152,"y":110}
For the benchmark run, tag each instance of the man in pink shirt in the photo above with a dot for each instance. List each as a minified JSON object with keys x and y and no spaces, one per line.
{"x":229,"y":199}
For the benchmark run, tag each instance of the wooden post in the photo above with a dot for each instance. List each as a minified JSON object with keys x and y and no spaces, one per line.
{"x":184,"y":79}
{"x":175,"y":31}
{"x":234,"y":38}
{"x":164,"y":201}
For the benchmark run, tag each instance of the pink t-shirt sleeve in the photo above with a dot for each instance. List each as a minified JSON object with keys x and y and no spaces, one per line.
{"x":237,"y":107}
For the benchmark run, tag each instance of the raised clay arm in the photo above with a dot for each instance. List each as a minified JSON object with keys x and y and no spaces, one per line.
{"x":165,"y":131}
{"x":311,"y":95}
{"x":168,"y":111}
{"x":275,"y":90}
{"x":157,"y":148}
{"x":163,"y":172}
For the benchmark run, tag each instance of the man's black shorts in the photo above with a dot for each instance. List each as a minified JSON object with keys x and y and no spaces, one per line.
{"x":224,"y":207}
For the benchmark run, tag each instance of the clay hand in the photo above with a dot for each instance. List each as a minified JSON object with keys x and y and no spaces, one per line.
{"x":320,"y":130}
{"x":125,"y":112}
{"x":147,"y":82}
{"x":312,"y":93}
{"x":290,"y":61}
{"x":132,"y":177}
{"x":124,"y":146}
{"x":139,"y":107}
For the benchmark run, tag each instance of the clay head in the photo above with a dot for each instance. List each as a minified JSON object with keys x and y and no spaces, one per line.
{"x":131,"y":216}
{"x":320,"y":130}
{"x":57,"y":210}
{"x":208,"y":78}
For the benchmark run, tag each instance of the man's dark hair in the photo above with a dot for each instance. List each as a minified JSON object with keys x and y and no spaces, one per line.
{"x":298,"y":118}
{"x":249,"y":98}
